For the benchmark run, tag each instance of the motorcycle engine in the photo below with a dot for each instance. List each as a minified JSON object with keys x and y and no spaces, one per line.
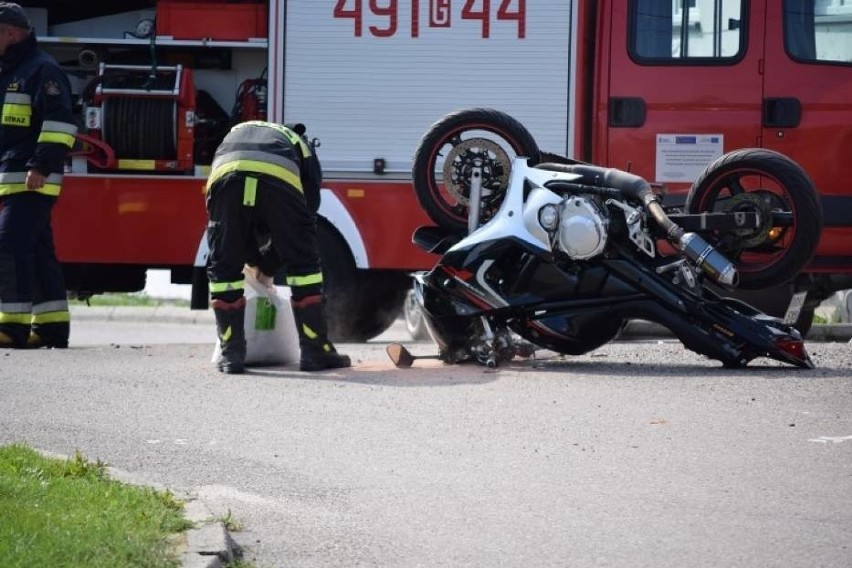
{"x":583,"y":228}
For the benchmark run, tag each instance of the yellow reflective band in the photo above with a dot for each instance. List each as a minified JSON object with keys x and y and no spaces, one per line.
{"x":51,"y":317}
{"x":216,"y":287}
{"x":309,"y":333}
{"x":137,"y":164}
{"x":256,"y":167}
{"x":305,"y":280}
{"x":16,"y":115}
{"x":294,"y":137}
{"x":297,"y":141}
{"x":273,"y":125}
{"x":15,"y":318}
{"x":306,"y":150}
{"x":57,"y":137}
{"x":48,"y":189}
{"x":227,"y":335}
{"x":250,"y":192}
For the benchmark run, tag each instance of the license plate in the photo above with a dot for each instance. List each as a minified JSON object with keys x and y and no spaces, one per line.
{"x":795,"y":307}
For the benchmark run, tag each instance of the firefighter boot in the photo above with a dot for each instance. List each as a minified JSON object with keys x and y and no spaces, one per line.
{"x":6,"y":341}
{"x":53,"y":335}
{"x":14,"y":336}
{"x":36,"y":341}
{"x":230,"y":327}
{"x":317,"y":351}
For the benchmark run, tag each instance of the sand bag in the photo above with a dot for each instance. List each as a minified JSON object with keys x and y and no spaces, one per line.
{"x":270,"y":328}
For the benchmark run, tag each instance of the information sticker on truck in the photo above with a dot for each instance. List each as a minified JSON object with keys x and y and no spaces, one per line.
{"x":682,"y":157}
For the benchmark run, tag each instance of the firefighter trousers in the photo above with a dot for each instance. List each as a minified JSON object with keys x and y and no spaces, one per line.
{"x":32,"y":285}
{"x":262,"y":222}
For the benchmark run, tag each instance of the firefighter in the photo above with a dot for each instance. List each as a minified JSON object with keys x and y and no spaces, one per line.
{"x":263,"y":194}
{"x":36,"y":131}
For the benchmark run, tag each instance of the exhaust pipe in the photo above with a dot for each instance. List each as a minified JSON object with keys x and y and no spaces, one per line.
{"x":708,"y":259}
{"x":693,"y":246}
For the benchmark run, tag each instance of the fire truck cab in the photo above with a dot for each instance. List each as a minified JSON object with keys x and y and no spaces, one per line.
{"x":656,"y":87}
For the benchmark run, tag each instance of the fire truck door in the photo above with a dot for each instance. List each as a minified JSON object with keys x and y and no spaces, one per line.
{"x":683,"y":85}
{"x":807,"y":107}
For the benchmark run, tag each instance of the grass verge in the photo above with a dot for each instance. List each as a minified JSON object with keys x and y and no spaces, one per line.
{"x":140,"y":299}
{"x":70,"y":513}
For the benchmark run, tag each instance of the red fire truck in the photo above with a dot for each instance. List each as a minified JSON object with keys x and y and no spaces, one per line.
{"x":657,"y":87}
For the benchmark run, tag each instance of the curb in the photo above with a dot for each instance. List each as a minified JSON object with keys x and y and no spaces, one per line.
{"x":208,"y":544}
{"x":831,"y":332}
{"x":636,"y":329}
{"x":153,"y":314}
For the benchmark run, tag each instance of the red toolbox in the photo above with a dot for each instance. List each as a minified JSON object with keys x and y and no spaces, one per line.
{"x":222,"y":21}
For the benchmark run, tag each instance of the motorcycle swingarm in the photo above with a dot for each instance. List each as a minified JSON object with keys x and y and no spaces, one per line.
{"x":739,"y":220}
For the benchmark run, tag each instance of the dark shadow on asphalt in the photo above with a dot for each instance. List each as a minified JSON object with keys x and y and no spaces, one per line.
{"x":439,"y":374}
{"x":704,"y":369}
{"x":385,"y":374}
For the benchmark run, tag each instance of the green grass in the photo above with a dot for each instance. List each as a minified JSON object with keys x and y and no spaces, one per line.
{"x":135,"y":299}
{"x":70,"y":513}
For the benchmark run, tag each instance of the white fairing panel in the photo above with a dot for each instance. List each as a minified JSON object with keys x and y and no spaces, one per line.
{"x":516,"y":218}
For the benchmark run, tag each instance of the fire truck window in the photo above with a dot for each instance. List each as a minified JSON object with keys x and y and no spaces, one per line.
{"x":672,"y":30}
{"x":818,"y":30}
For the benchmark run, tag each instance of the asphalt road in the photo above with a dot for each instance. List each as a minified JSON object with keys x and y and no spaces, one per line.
{"x":638,"y":454}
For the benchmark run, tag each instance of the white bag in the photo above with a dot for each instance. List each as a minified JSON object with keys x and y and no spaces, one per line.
{"x":270,"y":328}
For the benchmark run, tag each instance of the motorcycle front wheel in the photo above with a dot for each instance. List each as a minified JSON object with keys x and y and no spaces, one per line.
{"x":781,"y":192}
{"x":450,"y":151}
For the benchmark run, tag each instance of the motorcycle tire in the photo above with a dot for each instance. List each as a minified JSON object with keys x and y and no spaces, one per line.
{"x":776,"y":257}
{"x":448,"y":205}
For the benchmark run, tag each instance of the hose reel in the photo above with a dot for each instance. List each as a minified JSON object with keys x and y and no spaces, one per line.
{"x":146,"y":115}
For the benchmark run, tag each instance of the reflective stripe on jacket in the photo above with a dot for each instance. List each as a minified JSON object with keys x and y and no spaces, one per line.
{"x":37,"y":126}
{"x":266,"y":148}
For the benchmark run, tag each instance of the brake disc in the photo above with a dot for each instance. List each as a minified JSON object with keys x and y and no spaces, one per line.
{"x":468,"y":154}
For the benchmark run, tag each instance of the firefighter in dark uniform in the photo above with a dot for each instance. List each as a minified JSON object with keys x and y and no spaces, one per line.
{"x":263,"y":194}
{"x":36,"y":131}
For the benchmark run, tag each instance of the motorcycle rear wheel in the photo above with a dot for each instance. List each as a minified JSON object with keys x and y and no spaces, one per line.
{"x":452,"y":147}
{"x":739,"y":180}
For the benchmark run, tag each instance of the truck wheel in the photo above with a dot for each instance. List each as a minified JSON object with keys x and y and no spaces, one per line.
{"x":360,"y":304}
{"x":774,"y":186}
{"x":450,"y":150}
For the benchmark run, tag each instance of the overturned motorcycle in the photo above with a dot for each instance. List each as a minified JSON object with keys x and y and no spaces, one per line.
{"x":563,"y":253}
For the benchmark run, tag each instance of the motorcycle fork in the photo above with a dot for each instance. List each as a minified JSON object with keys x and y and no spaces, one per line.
{"x":475,"y":200}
